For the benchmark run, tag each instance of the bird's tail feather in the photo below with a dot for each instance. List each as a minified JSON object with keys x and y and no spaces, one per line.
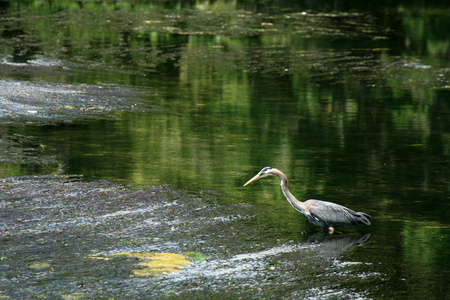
{"x":364,"y":218}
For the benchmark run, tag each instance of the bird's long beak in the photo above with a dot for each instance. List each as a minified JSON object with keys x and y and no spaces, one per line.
{"x":256,"y":177}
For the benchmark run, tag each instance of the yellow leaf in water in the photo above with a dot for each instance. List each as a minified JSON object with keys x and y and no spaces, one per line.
{"x":39,"y":265}
{"x":157,"y":264}
{"x":74,"y":296}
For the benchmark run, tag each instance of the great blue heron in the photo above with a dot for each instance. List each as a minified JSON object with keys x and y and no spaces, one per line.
{"x":321,"y":213}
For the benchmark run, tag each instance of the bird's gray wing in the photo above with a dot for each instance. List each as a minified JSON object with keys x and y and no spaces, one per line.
{"x":332,"y":213}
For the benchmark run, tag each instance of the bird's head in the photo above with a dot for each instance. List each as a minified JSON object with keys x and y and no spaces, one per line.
{"x":267,"y":171}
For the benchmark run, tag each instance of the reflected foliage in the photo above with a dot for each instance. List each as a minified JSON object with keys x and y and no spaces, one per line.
{"x":351,"y":99}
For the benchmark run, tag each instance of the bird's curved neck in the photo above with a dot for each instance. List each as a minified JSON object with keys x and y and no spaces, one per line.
{"x":298,"y":205}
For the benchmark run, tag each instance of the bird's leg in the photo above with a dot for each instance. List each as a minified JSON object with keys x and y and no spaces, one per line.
{"x":330,"y":229}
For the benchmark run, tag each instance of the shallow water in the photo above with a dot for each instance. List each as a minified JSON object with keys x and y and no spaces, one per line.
{"x":350,"y":102}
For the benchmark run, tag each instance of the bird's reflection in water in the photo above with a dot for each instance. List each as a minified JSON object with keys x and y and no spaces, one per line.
{"x":324,"y":244}
{"x":335,"y":245}
{"x":323,"y":253}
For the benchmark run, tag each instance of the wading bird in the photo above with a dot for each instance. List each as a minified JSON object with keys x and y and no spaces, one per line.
{"x":321,"y":213}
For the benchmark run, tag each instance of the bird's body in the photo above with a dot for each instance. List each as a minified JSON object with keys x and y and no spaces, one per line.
{"x":321,"y":213}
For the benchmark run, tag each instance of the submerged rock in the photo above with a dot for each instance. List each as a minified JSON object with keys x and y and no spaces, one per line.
{"x":55,"y":103}
{"x":69,"y":237}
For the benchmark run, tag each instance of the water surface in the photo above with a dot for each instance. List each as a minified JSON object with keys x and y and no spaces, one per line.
{"x":350,"y":102}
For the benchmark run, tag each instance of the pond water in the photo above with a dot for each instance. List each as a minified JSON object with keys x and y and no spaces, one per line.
{"x":351,"y":101}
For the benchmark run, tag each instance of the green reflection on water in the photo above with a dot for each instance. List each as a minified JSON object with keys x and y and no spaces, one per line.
{"x":350,"y":111}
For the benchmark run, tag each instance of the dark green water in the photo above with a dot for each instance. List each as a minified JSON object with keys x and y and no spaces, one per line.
{"x":350,"y":101}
